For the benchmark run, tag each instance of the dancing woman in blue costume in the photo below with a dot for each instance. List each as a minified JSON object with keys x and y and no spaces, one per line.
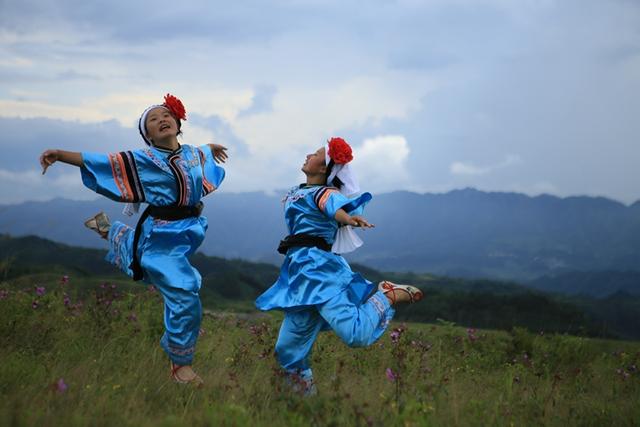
{"x":172,"y":178}
{"x":316,"y":288}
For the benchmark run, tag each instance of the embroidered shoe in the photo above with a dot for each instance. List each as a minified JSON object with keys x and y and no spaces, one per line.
{"x":400,"y":293}
{"x":184,"y":374}
{"x":100,"y":224}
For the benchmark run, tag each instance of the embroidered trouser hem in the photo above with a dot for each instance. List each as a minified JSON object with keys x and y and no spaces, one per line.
{"x":182,"y":318}
{"x":180,"y":355}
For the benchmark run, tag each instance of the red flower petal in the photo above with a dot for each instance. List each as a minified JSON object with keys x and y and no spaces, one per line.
{"x":175,"y":106}
{"x":340,"y":151}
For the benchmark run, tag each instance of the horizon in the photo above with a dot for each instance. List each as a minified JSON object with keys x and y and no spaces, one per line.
{"x":279,"y":192}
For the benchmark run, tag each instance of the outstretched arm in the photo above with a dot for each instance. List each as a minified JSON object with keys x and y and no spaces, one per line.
{"x":49,"y":157}
{"x":356,"y":220}
{"x":219,"y":153}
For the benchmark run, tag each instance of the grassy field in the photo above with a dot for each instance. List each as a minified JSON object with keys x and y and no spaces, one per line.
{"x":94,"y":359}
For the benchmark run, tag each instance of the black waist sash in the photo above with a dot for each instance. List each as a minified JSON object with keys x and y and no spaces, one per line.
{"x":168,"y":213}
{"x":304,"y":240}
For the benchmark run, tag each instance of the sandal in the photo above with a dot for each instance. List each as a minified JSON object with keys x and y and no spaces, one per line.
{"x":389,"y":289}
{"x":301,"y":382}
{"x":100,"y":224}
{"x":194,"y":379}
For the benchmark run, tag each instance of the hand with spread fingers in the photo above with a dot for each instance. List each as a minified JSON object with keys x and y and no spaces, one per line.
{"x":219,"y":153}
{"x":358,"y":221}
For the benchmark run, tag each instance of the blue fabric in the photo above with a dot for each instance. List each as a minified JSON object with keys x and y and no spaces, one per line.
{"x":317,"y":289}
{"x":302,"y":214}
{"x":311,"y":276}
{"x":164,"y":246}
{"x":356,"y":324}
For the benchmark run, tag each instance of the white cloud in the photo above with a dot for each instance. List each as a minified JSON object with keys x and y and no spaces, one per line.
{"x":460,"y":168}
{"x":33,"y":109}
{"x":199,"y":136}
{"x":381,"y":163}
{"x":17,"y":187}
{"x":468,"y":168}
{"x":306,"y":116}
{"x":533,"y":77}
{"x":125,"y":107}
{"x":16,"y":62}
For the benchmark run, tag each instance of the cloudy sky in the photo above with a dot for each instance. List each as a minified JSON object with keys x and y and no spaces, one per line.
{"x":501,"y":95}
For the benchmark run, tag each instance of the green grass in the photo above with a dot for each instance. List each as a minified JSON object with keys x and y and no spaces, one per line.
{"x":106,"y":352}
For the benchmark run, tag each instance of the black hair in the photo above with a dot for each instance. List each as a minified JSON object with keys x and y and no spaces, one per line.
{"x":336,"y":181}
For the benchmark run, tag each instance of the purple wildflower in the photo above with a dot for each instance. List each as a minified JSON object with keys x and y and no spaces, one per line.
{"x":391,"y":376}
{"x":35,"y":304}
{"x":61,"y":386}
{"x":396,"y":333}
{"x":64,"y":280}
{"x":623,"y":374}
{"x":471,"y":334}
{"x":40,"y":290}
{"x":66,"y":300}
{"x":3,"y":294}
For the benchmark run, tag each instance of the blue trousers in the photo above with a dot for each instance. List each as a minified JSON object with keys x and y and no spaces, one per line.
{"x":357,"y":325}
{"x":166,"y":266}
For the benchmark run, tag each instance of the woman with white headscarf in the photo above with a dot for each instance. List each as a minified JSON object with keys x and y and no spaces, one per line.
{"x":171,"y":178}
{"x":316,"y":288}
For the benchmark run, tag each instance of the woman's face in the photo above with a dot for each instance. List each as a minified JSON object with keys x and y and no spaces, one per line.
{"x":315,"y":164}
{"x":160,"y":124}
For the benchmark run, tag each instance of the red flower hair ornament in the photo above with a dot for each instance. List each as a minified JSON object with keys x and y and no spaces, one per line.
{"x":176,"y":107}
{"x":339,"y":151}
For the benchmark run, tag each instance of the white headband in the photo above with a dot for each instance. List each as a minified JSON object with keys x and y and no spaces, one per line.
{"x":141,"y":123}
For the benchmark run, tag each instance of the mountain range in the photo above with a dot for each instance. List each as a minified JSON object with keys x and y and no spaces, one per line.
{"x":461,"y":233}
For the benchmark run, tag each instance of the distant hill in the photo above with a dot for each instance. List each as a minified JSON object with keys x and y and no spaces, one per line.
{"x":599,"y":284}
{"x":41,"y":258}
{"x":462,"y":233}
{"x":27,"y":261}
